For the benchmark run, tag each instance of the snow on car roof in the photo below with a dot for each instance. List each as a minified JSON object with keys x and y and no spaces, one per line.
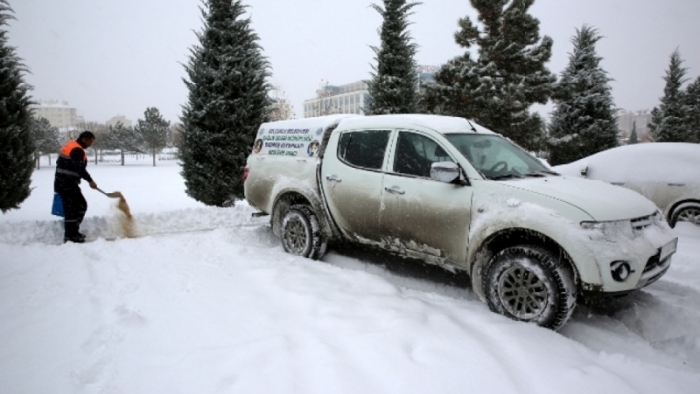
{"x":441,"y":124}
{"x":648,"y":162}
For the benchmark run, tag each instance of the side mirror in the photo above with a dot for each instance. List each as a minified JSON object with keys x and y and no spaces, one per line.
{"x":444,"y":171}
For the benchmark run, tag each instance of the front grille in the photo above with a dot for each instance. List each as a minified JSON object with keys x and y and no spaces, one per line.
{"x":653,"y":262}
{"x":640,"y":224}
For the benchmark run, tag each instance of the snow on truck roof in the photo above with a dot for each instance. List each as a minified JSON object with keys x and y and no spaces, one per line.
{"x":306,"y":123}
{"x":439,"y":123}
{"x":302,"y":137}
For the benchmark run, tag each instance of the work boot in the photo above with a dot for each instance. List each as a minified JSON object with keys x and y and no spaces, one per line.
{"x":74,"y":238}
{"x":81,"y":235}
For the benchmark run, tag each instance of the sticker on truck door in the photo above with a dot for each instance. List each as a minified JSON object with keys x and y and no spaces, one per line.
{"x":286,"y":142}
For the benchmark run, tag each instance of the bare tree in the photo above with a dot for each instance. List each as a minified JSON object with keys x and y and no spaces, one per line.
{"x":281,"y":108}
{"x":326,"y":103}
{"x":176,"y":135}
{"x":100,"y":131}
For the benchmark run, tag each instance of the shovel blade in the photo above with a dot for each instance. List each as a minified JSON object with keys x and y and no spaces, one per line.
{"x":114,"y":195}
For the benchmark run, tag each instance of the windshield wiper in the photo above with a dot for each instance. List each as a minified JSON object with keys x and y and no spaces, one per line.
{"x":505,"y":176}
{"x":541,"y":173}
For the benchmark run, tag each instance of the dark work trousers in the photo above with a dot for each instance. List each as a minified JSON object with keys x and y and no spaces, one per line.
{"x":74,"y":207}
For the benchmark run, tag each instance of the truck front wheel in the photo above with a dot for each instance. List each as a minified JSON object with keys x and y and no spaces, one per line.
{"x":301,"y":233}
{"x":528,"y":283}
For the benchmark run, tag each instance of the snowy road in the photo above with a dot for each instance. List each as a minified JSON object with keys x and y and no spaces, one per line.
{"x":211,"y":303}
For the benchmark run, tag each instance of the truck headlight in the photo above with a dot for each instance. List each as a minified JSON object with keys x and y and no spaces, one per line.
{"x":610,"y":229}
{"x":658,"y":217}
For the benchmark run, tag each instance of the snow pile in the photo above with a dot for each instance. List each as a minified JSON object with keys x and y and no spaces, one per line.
{"x":207,"y":301}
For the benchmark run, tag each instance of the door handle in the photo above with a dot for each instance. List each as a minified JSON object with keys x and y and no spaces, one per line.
{"x":676,"y":184}
{"x":333,"y":178}
{"x":618,"y":183}
{"x":394,"y":190}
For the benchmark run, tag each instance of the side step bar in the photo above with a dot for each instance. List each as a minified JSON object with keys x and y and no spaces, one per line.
{"x":259,"y":214}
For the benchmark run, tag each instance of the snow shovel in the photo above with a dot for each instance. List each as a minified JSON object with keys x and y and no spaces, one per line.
{"x":111,"y":195}
{"x":123,"y":206}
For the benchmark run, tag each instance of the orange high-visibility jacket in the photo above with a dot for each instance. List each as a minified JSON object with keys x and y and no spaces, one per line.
{"x":67,"y":169}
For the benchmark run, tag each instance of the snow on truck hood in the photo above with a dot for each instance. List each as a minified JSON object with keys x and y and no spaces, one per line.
{"x":600,"y":200}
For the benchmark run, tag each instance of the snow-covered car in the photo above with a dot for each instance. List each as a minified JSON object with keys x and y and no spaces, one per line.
{"x":450,"y":192}
{"x":666,"y":173}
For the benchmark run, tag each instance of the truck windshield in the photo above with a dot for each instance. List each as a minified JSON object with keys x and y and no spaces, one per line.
{"x":496,"y":157}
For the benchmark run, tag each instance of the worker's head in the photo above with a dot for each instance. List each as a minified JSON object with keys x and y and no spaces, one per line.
{"x":86,"y":138}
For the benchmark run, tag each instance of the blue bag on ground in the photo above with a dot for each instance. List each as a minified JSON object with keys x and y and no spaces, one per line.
{"x":57,"y":207}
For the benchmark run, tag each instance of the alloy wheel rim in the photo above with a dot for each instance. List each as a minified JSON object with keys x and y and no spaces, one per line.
{"x":691,"y":215}
{"x":295,"y":235}
{"x":522,"y":293}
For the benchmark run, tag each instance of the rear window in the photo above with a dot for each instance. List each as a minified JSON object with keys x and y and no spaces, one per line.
{"x":364,"y":149}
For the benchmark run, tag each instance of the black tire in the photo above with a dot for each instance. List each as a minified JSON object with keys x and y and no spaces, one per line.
{"x":528,"y":283}
{"x":301,"y":233}
{"x":686,"y":212}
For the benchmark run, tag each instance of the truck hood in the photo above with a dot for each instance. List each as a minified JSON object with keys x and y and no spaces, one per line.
{"x":602,"y":201}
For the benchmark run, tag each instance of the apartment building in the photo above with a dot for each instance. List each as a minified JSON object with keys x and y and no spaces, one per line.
{"x":342,"y":99}
{"x":58,"y":112}
{"x":119,"y":119}
{"x":353,"y":98}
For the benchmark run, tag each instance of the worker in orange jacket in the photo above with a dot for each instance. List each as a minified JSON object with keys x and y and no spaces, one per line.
{"x":71,"y":167}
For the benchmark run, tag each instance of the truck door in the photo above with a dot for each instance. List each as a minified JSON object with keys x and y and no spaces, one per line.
{"x":351,"y":177}
{"x":420,"y":214}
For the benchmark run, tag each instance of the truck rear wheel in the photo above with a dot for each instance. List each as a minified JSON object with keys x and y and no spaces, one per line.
{"x":528,"y":283}
{"x":301,"y":233}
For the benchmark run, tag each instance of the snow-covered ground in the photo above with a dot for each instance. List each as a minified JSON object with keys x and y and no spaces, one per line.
{"x":207,"y":301}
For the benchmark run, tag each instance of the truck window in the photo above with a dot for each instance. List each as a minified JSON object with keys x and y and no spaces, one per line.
{"x":363,"y":149}
{"x":416,"y":153}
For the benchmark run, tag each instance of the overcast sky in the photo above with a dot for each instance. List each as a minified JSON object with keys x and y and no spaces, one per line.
{"x":118,"y":57}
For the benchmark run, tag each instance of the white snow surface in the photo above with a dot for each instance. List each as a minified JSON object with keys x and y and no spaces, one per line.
{"x":205,"y":300}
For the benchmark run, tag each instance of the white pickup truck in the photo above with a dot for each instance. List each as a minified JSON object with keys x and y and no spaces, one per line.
{"x":453,"y":193}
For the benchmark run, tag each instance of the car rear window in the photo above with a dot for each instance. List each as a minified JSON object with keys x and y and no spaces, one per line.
{"x":364,"y":149}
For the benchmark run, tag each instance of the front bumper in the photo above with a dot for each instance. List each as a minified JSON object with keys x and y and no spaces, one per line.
{"x":657,"y":265}
{"x":646,"y":252}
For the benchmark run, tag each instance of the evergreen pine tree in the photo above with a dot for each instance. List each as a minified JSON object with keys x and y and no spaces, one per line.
{"x":633,"y":136}
{"x":47,"y":139}
{"x":509,"y":75}
{"x":153,"y":131}
{"x":17,"y":153}
{"x":669,"y":121}
{"x":583,"y":121}
{"x":228,"y":100}
{"x":124,"y":139}
{"x":693,"y":103}
{"x":393,"y":88}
